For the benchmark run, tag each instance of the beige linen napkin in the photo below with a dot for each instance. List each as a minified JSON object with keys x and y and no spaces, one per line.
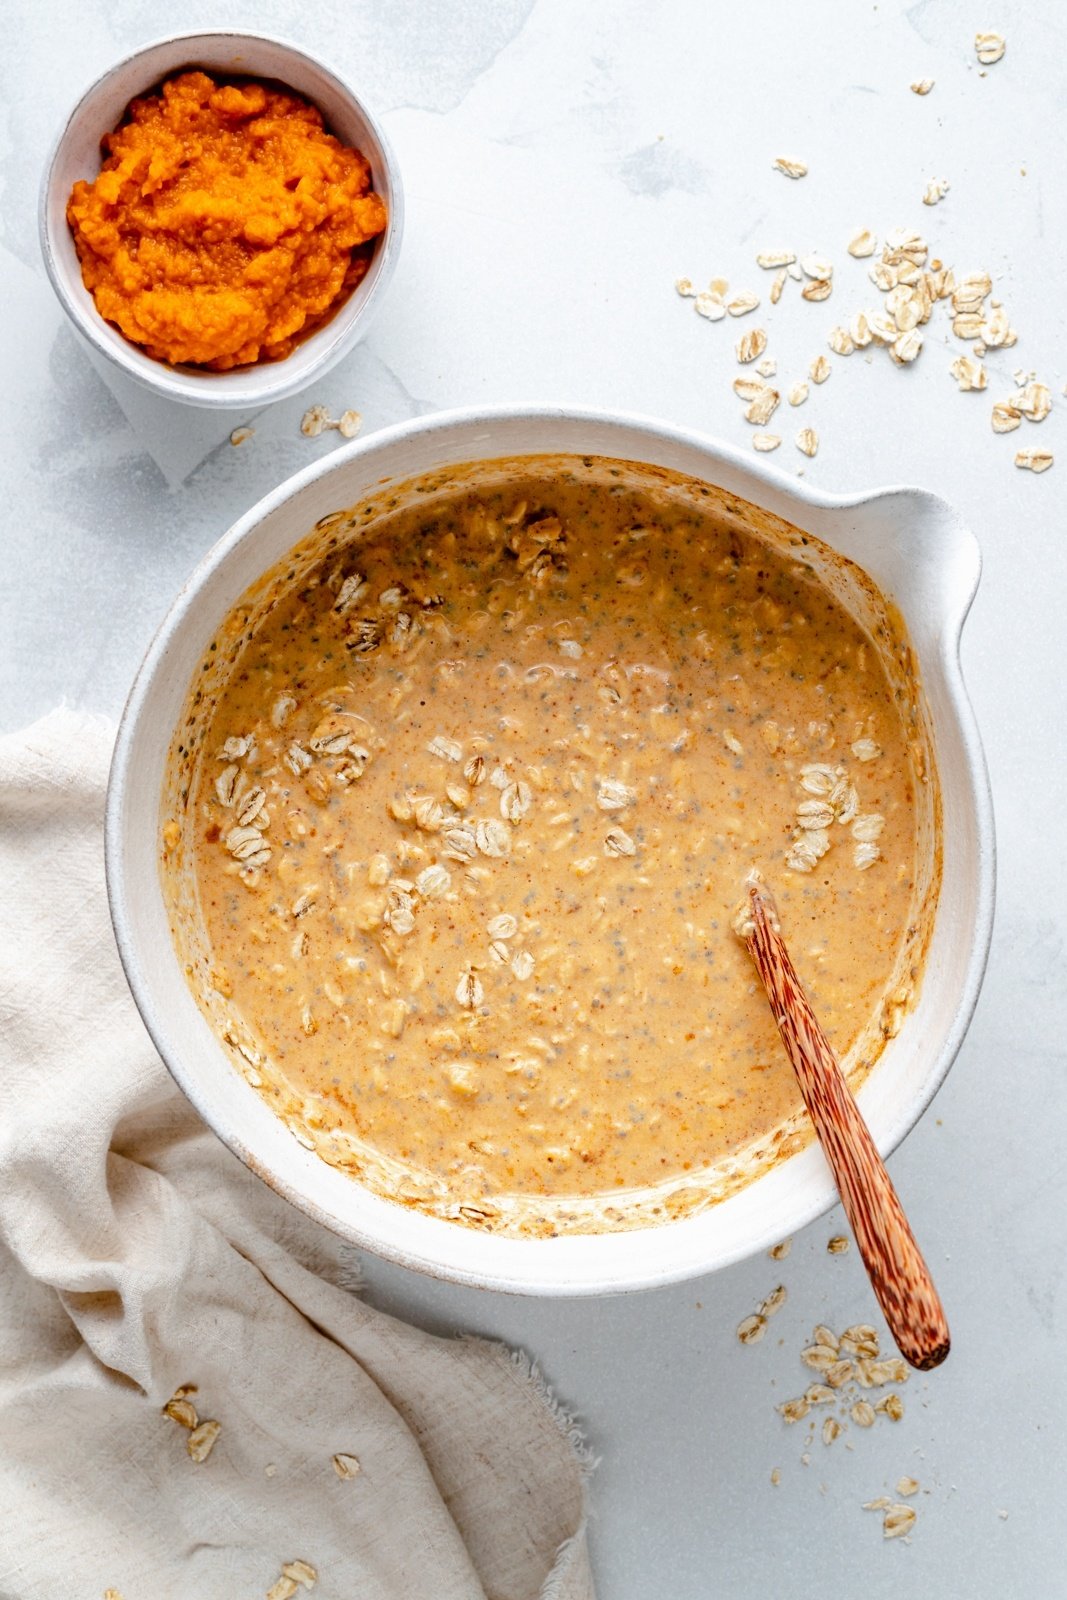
{"x":137,"y":1254}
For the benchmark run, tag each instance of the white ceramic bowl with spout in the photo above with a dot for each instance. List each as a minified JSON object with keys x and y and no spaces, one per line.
{"x":910,"y":543}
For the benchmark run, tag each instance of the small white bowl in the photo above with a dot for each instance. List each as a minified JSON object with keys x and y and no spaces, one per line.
{"x":918,"y":553}
{"x":76,"y":154}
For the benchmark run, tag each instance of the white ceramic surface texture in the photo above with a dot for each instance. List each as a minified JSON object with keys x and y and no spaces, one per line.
{"x":918,"y":553}
{"x":76,"y":154}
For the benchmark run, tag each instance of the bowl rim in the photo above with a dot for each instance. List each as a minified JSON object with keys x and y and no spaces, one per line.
{"x":974,"y":780}
{"x":209,"y":390}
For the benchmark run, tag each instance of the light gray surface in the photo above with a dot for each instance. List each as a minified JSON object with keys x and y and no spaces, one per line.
{"x":564,"y":162}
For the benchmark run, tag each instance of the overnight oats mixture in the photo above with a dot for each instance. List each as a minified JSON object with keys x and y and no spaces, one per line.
{"x":468,"y":819}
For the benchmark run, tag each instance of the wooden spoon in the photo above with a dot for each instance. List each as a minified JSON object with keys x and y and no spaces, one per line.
{"x":899,"y":1275}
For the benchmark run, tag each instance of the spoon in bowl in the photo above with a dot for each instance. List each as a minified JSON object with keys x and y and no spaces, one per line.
{"x":899,"y":1276}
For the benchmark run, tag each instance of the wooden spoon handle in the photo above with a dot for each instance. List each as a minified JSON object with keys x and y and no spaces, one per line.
{"x":899,"y":1275}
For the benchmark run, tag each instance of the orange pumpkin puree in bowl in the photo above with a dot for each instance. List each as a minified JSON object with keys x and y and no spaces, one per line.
{"x":225,"y":222}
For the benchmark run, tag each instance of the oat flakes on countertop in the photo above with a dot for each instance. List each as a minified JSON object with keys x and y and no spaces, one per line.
{"x":989,"y":47}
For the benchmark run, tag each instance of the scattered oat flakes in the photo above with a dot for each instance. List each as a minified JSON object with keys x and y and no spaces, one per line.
{"x":859,"y":329}
{"x":314,"y":421}
{"x":522,"y":966}
{"x":840,"y":341}
{"x":317,"y":420}
{"x":967,"y":324}
{"x":922,"y":86}
{"x":898,"y":1521}
{"x":817,"y":289}
{"x":798,"y":393}
{"x":793,"y":1410}
{"x":1034,"y":460}
{"x":1034,"y":401}
{"x":791,"y":168}
{"x":763,"y":407}
{"x":989,"y":47}
{"x":861,"y":1339}
{"x":182,"y":1411}
{"x":883,"y":329}
{"x":865,"y":749}
{"x":774,"y":1301}
{"x":742,"y":304}
{"x":936,"y":189}
{"x":283,"y":1589}
{"x":819,"y":370}
{"x":685,"y":288}
{"x":201,"y":1441}
{"x":865,"y":829}
{"x":907,"y":1487}
{"x":346,"y":1466}
{"x":752,"y":1329}
{"x":862,"y":243}
{"x":775,"y":258}
{"x":515,"y":801}
{"x":1006,"y":418}
{"x":831,"y":1429}
{"x":767,"y":367}
{"x":777,"y":286}
{"x":766,"y":441}
{"x":776,"y":1476}
{"x":778,"y":1252}
{"x":751,"y":345}
{"x":612,"y":795}
{"x":906,"y":346}
{"x":617,"y":842}
{"x":892,"y":1405}
{"x":996,"y":330}
{"x":862,"y":1414}
{"x":492,"y":837}
{"x":241,"y":435}
{"x":968,"y":373}
{"x":970,"y":291}
{"x":817,"y":267}
{"x":814,"y":814}
{"x":469,"y":992}
{"x":838,"y":1244}
{"x":807,"y":441}
{"x":301,"y":1572}
{"x":711,"y":306}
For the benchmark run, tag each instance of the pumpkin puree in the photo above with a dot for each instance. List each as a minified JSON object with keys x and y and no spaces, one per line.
{"x":224,"y":223}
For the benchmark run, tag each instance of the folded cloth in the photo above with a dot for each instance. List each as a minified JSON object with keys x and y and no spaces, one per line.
{"x":138,"y":1256}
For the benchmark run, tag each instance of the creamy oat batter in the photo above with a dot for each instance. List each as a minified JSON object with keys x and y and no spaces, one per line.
{"x":474,"y":812}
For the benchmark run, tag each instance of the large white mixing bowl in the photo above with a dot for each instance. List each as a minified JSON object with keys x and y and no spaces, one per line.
{"x":920,"y":556}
